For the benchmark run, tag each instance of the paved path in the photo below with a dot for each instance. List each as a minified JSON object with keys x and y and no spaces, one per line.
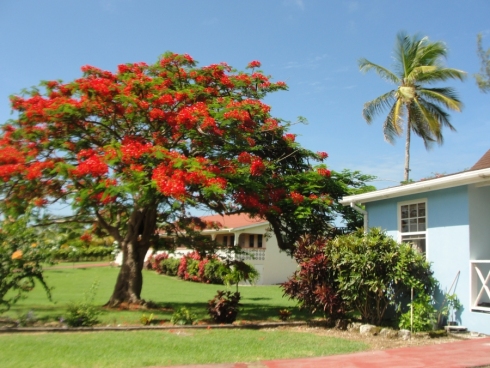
{"x":460,"y":354}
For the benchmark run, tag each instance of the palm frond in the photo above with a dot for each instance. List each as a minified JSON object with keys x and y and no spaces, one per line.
{"x":441,"y":75}
{"x":393,"y":124}
{"x":366,"y":66}
{"x":430,"y":53}
{"x":418,"y":72}
{"x":405,"y":50}
{"x":419,"y":125}
{"x":378,"y":105}
{"x":438,"y":112}
{"x":445,"y":96}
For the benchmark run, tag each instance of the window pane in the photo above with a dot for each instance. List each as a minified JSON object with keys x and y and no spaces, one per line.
{"x":417,"y":241}
{"x":413,"y":225}
{"x":421,"y":224}
{"x":404,"y":210}
{"x":413,"y":210}
{"x":251,"y":241}
{"x":259,"y":241}
{"x":421,"y":209}
{"x":404,"y":226}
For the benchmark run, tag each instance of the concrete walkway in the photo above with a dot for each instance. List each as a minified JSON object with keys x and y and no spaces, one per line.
{"x":460,"y":354}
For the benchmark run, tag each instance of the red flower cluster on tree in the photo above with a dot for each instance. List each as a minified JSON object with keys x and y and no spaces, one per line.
{"x":297,"y":198}
{"x":323,"y":172}
{"x":322,"y":155}
{"x":133,"y":148}
{"x":257,"y":167}
{"x":254,"y":64}
{"x":93,"y":165}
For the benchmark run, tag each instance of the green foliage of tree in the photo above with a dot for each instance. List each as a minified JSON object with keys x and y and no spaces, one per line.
{"x":483,"y":78}
{"x":22,"y":253}
{"x":412,"y":106}
{"x":360,"y":273}
{"x":240,"y":271}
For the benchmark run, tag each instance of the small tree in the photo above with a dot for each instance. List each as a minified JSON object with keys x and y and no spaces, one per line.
{"x":22,"y":253}
{"x":483,"y":78}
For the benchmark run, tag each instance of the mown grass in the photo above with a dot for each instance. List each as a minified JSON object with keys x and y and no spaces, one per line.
{"x":156,"y":347}
{"x":152,"y":348}
{"x":70,"y":284}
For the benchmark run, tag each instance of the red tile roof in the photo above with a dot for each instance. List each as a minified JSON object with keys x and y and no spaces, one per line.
{"x":234,"y":221}
{"x":483,"y":162}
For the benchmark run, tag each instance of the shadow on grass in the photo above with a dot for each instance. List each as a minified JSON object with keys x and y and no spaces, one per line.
{"x":247,"y":311}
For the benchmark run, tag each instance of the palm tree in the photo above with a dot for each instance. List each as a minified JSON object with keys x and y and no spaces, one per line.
{"x":412,"y":106}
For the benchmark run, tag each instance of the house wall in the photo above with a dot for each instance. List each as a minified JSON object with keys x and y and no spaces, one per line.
{"x":277,"y":266}
{"x":479,"y":199}
{"x":448,"y":239}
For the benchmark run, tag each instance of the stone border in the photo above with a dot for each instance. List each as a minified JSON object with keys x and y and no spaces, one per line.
{"x":253,"y":326}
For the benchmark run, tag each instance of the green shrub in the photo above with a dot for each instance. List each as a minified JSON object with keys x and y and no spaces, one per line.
{"x":193,"y":268}
{"x":223,"y":308}
{"x":146,"y":320}
{"x":74,"y":254}
{"x":215,"y":271}
{"x":83,"y":313}
{"x":170,"y":266}
{"x":359,"y":273}
{"x":183,"y":317}
{"x":424,"y":314}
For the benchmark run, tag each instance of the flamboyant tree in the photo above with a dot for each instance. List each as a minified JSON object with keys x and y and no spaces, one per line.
{"x":133,"y":151}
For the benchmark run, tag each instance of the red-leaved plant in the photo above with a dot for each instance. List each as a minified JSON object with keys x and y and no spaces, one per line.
{"x":312,"y":286}
{"x":223,"y":308}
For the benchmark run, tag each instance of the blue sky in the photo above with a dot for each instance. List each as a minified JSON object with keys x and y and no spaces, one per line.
{"x":312,"y":45}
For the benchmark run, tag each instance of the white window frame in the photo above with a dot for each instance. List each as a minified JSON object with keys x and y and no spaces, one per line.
{"x":413,"y":233}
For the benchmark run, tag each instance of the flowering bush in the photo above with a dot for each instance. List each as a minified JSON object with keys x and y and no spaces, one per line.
{"x":22,"y":252}
{"x":155,"y":262}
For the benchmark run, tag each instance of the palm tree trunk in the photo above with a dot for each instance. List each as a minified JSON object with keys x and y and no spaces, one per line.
{"x":407,"y":148}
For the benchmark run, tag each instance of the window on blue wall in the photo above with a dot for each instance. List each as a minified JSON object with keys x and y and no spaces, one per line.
{"x":413,"y":223}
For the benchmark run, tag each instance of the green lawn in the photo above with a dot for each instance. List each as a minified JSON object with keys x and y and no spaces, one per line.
{"x":151,"y":348}
{"x":157,"y":347}
{"x":69,"y":284}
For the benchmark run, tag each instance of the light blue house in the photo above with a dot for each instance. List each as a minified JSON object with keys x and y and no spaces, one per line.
{"x":448,"y":218}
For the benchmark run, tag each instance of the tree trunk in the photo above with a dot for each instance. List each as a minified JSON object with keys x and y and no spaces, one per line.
{"x":141,"y":227}
{"x":407,"y":148}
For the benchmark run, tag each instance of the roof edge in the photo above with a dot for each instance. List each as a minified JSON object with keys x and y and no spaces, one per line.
{"x":464,"y":178}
